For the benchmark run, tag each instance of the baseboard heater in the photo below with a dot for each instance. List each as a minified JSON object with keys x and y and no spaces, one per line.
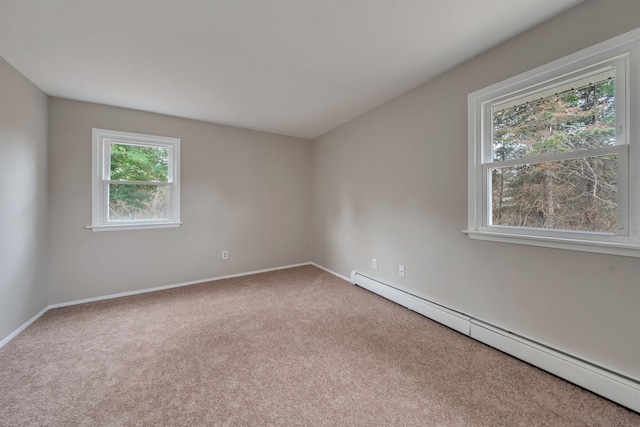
{"x":598,"y":379}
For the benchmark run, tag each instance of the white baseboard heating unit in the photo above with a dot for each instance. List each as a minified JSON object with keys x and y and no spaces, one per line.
{"x":600,"y":380}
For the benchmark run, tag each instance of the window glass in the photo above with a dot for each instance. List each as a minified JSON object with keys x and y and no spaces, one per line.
{"x":138,"y":163}
{"x":577,"y":119}
{"x":135,"y":202}
{"x":578,"y":194}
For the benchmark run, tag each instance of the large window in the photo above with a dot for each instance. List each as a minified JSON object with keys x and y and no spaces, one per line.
{"x":136,"y":181}
{"x":553,"y":153}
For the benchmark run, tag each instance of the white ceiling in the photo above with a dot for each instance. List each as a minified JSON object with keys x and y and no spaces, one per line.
{"x":296,"y":68}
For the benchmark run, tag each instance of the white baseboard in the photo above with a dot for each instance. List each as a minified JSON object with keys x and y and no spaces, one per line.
{"x":591,"y":376}
{"x":453,"y":319}
{"x":602,"y":381}
{"x":177,"y":285}
{"x":23,"y":327}
{"x":136,"y":292}
{"x":331,"y":272}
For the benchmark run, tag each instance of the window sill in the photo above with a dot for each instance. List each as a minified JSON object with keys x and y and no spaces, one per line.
{"x":119,"y":227}
{"x":608,"y":248}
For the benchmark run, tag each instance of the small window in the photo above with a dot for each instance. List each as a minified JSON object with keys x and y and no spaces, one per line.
{"x":136,"y":181}
{"x":553,"y":155}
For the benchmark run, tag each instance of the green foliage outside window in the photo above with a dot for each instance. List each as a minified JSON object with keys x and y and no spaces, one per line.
{"x":135,"y":200}
{"x":578,"y":194}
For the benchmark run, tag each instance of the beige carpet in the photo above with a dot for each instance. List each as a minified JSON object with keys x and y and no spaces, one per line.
{"x":295,"y":347}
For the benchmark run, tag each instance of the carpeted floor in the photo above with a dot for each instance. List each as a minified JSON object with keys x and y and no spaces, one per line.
{"x":295,"y":347}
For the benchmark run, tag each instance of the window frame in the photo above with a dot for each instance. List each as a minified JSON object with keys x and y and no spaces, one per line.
{"x":101,"y":169}
{"x":621,"y":53}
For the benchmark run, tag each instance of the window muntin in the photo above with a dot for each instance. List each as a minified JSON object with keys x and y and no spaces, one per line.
{"x":598,"y":211}
{"x":135,"y":181}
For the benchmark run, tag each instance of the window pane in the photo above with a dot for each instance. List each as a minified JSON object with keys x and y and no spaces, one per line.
{"x":139,"y":163}
{"x":136,"y":202}
{"x":579,"y":194}
{"x":572,"y":120}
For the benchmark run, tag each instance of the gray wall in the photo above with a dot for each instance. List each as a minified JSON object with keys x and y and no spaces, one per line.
{"x":24,"y":289}
{"x":392,"y":184}
{"x":242,"y":191}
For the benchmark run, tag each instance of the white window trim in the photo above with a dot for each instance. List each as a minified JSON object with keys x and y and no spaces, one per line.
{"x":626,"y":48}
{"x":99,"y":181}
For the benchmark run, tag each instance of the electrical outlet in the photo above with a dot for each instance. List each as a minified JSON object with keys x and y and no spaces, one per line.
{"x":374,"y":263}
{"x":401,"y":270}
{"x":225,"y":254}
